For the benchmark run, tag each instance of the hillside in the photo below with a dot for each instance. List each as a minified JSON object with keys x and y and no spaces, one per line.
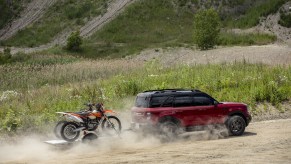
{"x":10,"y":10}
{"x":144,"y":24}
{"x":26,"y":15}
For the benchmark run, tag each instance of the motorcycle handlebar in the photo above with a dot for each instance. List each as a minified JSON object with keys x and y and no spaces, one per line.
{"x":99,"y":106}
{"x":89,"y":104}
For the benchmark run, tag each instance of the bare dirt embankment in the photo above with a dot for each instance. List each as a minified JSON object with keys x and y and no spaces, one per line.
{"x":263,"y":142}
{"x":270,"y":25}
{"x":34,"y":10}
{"x":114,"y":9}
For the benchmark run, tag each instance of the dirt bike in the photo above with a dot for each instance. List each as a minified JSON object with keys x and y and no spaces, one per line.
{"x":87,"y":121}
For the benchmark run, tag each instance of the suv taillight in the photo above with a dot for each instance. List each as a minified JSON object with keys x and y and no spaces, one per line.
{"x":148,"y":115}
{"x":138,"y":114}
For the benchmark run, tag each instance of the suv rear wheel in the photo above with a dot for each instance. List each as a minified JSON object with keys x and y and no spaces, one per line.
{"x":169,"y":130}
{"x":236,"y":125}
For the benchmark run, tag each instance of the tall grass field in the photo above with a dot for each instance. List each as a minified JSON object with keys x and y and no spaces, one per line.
{"x":30,"y":94}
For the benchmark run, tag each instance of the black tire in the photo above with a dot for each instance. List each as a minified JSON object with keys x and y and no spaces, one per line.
{"x":57,"y":129}
{"x":67,"y":132}
{"x":105,"y":125}
{"x":169,"y":130}
{"x":88,"y":138}
{"x":236,"y":125}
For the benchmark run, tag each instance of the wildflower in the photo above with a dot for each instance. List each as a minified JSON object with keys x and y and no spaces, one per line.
{"x":8,"y":94}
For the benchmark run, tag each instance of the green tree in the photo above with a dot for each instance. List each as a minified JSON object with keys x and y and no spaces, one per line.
{"x":74,"y":41}
{"x":206,"y":28}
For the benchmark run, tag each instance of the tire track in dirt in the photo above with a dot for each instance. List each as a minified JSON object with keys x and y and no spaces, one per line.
{"x":263,"y":142}
{"x":32,"y":13}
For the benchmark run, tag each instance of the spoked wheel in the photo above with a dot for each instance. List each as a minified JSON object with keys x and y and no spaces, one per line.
{"x":111,"y":125}
{"x":57,"y":129}
{"x":236,"y":125}
{"x":68,"y":133}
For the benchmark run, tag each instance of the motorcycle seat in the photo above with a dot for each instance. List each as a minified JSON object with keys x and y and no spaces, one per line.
{"x":83,"y":113}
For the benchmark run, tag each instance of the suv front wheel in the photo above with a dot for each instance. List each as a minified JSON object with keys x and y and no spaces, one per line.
{"x":236,"y":125}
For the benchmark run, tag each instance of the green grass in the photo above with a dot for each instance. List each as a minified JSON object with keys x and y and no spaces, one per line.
{"x":249,"y":83}
{"x":253,"y":14}
{"x":151,"y":24}
{"x":67,"y":14}
{"x":33,"y":108}
{"x":230,"y":39}
{"x":36,"y":71}
{"x":144,"y":24}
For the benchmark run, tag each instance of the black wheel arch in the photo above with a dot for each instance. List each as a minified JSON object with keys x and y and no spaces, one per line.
{"x":237,"y":113}
{"x":169,"y":118}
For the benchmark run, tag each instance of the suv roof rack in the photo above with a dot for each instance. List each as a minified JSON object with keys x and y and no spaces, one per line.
{"x":173,"y":90}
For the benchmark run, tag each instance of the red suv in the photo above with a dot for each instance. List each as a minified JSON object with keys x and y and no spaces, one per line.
{"x":174,"y":109}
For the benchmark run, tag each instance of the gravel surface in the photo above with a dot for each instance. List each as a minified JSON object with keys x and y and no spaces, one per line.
{"x":268,"y":54}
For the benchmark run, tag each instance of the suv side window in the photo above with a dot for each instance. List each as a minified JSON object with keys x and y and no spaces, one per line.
{"x":161,"y":101}
{"x":202,"y":101}
{"x":183,"y":101}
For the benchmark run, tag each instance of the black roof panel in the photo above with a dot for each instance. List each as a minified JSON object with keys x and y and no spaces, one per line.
{"x":164,"y":92}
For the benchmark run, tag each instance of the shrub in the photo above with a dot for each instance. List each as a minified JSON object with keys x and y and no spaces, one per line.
{"x":285,"y":20}
{"x":74,"y":41}
{"x":6,"y":56}
{"x":206,"y":28}
{"x":11,"y":121}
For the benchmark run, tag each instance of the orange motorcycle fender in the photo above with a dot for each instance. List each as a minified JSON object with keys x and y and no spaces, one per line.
{"x":109,"y":112}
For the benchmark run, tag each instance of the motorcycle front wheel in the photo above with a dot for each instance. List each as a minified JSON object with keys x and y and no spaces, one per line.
{"x":68,"y":132}
{"x":111,"y":125}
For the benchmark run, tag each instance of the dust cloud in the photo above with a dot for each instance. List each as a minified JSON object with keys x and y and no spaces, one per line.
{"x":33,"y":149}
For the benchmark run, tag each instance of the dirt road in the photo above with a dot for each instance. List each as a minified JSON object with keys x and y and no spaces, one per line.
{"x":263,"y":142}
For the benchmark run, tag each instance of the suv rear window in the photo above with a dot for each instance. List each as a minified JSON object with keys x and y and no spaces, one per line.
{"x":142,"y":102}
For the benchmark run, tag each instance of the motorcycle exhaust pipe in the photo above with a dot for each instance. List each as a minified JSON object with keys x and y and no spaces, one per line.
{"x":79,"y":129}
